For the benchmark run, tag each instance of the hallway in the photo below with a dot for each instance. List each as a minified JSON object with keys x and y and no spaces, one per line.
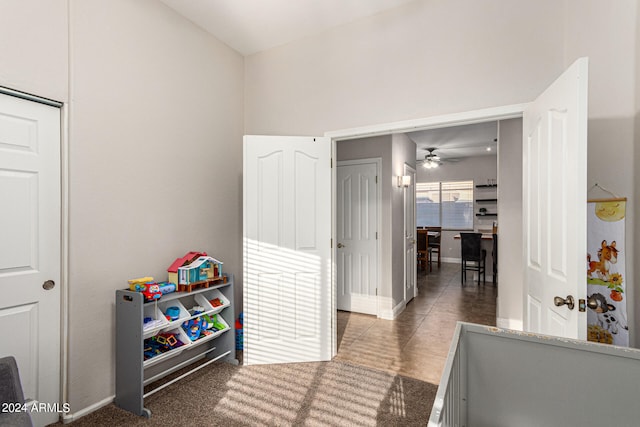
{"x":416,"y":344}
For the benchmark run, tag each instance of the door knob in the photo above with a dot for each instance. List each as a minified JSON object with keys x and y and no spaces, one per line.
{"x":598,"y":303}
{"x":48,"y":285}
{"x":340,"y":245}
{"x":569,"y":302}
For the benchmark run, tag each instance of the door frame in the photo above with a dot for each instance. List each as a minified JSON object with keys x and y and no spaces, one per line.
{"x":409,"y":170}
{"x":64,"y":230}
{"x":378,"y":162}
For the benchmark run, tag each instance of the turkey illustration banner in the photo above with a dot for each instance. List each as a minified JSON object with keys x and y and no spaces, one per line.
{"x":607,"y":323}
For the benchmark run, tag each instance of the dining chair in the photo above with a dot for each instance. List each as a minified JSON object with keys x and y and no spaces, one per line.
{"x":473,"y":256}
{"x":434,"y":241}
{"x":422,"y":249}
{"x":494,"y":254}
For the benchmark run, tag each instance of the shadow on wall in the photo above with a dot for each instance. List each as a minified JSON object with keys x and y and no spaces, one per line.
{"x":613,"y":153}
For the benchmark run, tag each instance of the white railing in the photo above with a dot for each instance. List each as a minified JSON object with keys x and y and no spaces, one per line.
{"x":447,"y":408}
{"x":500,"y":378}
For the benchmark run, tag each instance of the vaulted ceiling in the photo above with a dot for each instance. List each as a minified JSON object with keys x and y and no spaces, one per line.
{"x":250,"y":26}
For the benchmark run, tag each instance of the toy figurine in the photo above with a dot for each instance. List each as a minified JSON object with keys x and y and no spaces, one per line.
{"x":167,"y":287}
{"x":151,"y":292}
{"x":137,"y":285}
{"x":173,"y":313}
{"x":193,"y":327}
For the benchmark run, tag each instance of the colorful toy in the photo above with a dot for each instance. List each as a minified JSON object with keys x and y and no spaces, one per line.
{"x":152,"y":292}
{"x":180,"y":262}
{"x":207,"y":322}
{"x":219,"y":326}
{"x":216,"y":302}
{"x":159,"y":344}
{"x":137,"y":285}
{"x":167,"y":287}
{"x":193,"y":327}
{"x":197,"y":309}
{"x":173,"y":312}
{"x":146,"y":286}
{"x":201,"y":269}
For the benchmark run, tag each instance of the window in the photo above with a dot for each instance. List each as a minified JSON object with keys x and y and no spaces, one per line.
{"x":445,"y":204}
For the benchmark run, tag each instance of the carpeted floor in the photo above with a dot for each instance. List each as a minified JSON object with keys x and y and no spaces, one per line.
{"x":314,"y":394}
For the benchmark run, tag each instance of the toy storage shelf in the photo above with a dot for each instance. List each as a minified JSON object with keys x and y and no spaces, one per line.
{"x":133,"y":373}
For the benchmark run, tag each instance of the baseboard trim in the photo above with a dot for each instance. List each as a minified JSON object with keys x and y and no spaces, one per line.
{"x":68,"y":418}
{"x":390,"y":313}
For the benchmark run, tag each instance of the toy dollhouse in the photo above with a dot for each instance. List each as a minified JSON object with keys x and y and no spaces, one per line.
{"x":195,"y":269}
{"x":202,"y":269}
{"x":180,"y":262}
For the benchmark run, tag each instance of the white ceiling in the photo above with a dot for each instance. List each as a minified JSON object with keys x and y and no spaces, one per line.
{"x":251,"y":26}
{"x":457,"y":141}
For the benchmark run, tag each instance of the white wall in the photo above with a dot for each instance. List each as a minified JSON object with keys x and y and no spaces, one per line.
{"x":35,"y":61}
{"x":606,"y":32}
{"x":421,"y":59}
{"x":510,"y":305}
{"x":155,"y":130}
{"x":479,"y":170}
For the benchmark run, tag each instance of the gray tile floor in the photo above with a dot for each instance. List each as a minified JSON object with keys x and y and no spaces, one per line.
{"x":417,"y":342}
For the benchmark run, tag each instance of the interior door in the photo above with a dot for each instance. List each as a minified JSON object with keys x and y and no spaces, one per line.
{"x":554,"y":205}
{"x":357,"y":237}
{"x":30,"y":246}
{"x":410,"y":237}
{"x":287,"y":249}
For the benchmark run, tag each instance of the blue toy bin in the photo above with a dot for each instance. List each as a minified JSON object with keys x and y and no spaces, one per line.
{"x":239,"y":332}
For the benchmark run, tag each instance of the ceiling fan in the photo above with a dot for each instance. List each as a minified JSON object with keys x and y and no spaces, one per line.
{"x":431,"y":160}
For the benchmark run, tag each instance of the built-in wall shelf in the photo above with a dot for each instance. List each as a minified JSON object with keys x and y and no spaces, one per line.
{"x":486,"y":200}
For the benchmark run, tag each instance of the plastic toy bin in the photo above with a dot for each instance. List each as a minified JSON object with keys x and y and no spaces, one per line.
{"x":213,"y":294}
{"x":499,"y":377}
{"x":180,"y":335}
{"x":158,"y":320}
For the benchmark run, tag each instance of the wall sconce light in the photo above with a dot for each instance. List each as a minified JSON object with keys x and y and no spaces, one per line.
{"x":404,"y":181}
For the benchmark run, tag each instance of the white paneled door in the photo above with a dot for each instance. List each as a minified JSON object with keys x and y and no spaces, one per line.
{"x":555,"y":205}
{"x":30,"y":247}
{"x":357,"y":236}
{"x":410,"y":289}
{"x":287,"y":249}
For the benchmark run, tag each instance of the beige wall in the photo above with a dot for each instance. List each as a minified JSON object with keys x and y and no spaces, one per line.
{"x":510,"y":305}
{"x":606,"y":33}
{"x":155,"y":130}
{"x":423,"y":59}
{"x":155,"y":135}
{"x":635,"y":204}
{"x":34,"y":54}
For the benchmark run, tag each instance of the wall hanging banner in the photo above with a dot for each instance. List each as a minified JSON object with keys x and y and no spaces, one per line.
{"x":606,"y":272}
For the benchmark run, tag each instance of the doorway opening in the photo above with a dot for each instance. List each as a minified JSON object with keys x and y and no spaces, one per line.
{"x":498,"y":114}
